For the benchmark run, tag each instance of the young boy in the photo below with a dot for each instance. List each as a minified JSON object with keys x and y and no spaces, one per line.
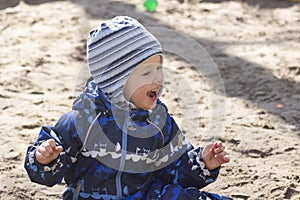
{"x":119,"y":142}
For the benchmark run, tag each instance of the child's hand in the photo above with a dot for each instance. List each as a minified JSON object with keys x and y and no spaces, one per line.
{"x":214,"y":155}
{"x":47,"y":152}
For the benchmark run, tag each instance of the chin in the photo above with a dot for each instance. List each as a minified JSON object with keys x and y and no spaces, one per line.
{"x":148,"y":107}
{"x":152,"y":107}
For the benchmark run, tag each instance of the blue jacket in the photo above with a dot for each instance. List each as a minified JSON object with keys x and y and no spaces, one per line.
{"x":112,"y":153}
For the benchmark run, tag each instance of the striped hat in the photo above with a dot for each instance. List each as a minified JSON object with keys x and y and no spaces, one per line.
{"x":114,"y":49}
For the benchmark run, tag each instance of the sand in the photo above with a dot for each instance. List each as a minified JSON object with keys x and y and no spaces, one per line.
{"x":251,"y":101}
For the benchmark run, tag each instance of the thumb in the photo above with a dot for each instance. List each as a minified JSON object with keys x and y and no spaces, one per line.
{"x":58,"y":149}
{"x":207,"y":150}
{"x":56,"y":152}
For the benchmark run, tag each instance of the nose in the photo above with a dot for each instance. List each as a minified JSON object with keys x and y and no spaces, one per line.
{"x":158,"y":77}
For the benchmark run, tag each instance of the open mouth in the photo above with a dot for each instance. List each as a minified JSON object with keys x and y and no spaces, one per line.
{"x":153,"y":94}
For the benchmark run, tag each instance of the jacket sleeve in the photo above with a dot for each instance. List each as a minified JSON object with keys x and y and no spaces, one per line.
{"x":63,"y":133}
{"x":189,"y":169}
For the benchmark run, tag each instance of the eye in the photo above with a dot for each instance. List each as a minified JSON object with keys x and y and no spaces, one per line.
{"x":145,"y":73}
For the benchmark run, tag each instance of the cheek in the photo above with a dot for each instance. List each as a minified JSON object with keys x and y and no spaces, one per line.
{"x":136,"y":86}
{"x":138,"y":94}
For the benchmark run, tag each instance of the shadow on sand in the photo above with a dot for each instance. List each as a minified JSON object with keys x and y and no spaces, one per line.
{"x":268,"y":4}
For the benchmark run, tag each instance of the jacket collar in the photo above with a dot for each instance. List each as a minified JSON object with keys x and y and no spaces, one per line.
{"x":94,"y":100}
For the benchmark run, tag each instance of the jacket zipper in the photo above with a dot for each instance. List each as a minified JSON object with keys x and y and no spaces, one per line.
{"x":77,"y":191}
{"x":122,"y":161}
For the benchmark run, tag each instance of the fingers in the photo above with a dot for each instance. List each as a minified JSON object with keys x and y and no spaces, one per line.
{"x":220,"y":153}
{"x":214,"y":155}
{"x":221,"y":157}
{"x":58,"y":149}
{"x":226,"y":160}
{"x":48,"y":151}
{"x":52,"y":143}
{"x":213,"y":149}
{"x":45,"y":150}
{"x":41,"y":157}
{"x":218,"y":148}
{"x":217,"y":144}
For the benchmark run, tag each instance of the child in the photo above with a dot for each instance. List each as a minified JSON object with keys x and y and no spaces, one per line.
{"x":119,"y":142}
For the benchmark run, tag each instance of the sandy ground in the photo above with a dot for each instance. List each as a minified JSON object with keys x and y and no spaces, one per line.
{"x":255,"y":45}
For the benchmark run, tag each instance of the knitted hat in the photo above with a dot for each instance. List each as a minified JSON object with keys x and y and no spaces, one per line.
{"x":114,"y":49}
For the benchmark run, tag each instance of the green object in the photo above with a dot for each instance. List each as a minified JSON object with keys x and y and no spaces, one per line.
{"x":150,"y":5}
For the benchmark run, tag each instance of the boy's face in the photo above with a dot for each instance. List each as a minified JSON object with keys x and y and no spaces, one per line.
{"x":144,"y":83}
